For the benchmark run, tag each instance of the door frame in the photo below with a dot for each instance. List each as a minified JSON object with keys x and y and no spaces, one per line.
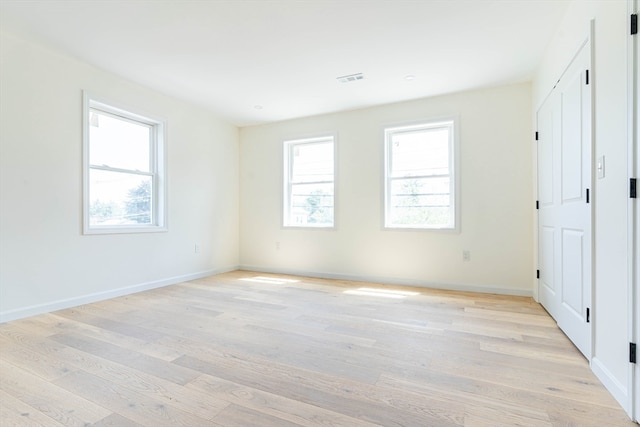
{"x":633,"y":105}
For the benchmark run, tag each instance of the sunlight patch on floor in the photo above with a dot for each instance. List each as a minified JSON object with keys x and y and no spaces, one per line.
{"x":385,"y":293}
{"x":269,"y":280}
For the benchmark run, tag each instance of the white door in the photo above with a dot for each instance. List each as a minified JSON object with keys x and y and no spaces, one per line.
{"x":564,"y":214}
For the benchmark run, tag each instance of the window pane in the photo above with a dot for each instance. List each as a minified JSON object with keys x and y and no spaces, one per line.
{"x":311,"y":204}
{"x":118,"y":143}
{"x":312,"y":162}
{"x":421,"y":202}
{"x":119,"y":198}
{"x":420,"y":153}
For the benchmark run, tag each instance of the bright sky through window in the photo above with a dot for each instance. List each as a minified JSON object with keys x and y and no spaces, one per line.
{"x":119,"y":143}
{"x":420,"y":153}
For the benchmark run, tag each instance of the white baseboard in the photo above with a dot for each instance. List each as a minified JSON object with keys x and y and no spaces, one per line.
{"x":534,"y":290}
{"x":20,"y":313}
{"x":619,"y":391}
{"x":395,"y":281}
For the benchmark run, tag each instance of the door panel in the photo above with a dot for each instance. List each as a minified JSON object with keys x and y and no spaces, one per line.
{"x":545,"y":154}
{"x":547,"y":271}
{"x":572,"y":267}
{"x":572,"y":185}
{"x":548,"y":135}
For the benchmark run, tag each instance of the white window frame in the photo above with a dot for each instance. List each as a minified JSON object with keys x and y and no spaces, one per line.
{"x":288,"y":147}
{"x":157,"y":170}
{"x":451,"y":123}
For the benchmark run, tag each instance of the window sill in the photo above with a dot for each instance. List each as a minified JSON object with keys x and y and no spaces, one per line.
{"x":124,"y":230}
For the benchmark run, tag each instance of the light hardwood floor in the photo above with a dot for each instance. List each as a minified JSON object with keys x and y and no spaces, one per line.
{"x":249,"y":349}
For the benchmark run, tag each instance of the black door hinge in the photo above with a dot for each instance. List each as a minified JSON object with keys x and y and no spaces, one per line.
{"x":588,"y":315}
{"x":633,"y":191}
{"x":632,"y":352}
{"x":537,"y":204}
{"x":536,"y":136}
{"x":634,"y":24}
{"x":587,"y":77}
{"x":537,"y":274}
{"x":587,"y":195}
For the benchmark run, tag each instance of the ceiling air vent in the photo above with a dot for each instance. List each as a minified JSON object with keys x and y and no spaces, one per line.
{"x":350,"y":78}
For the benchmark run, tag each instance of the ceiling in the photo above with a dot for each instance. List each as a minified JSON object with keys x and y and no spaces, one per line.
{"x":260,"y":61}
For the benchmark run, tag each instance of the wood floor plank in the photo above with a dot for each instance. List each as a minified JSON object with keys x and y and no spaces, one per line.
{"x":118,"y":326}
{"x":71,"y":409}
{"x":42,"y":365}
{"x":152,"y":386}
{"x":537,"y":352}
{"x":15,"y":413}
{"x":462,"y":347}
{"x":277,"y":406}
{"x":561,"y":411}
{"x":527,"y":317}
{"x":129,"y":403}
{"x":301,"y":350}
{"x":551,"y":384}
{"x":121,"y":335}
{"x":37,"y":343}
{"x":245,"y":348}
{"x":351,"y":398}
{"x":283,"y":323}
{"x":116,"y":420}
{"x":135,"y":359}
{"x":308,"y":353}
{"x":236,"y":415}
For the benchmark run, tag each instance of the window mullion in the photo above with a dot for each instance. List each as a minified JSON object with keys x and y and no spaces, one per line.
{"x":311,"y":182}
{"x":442,"y":175}
{"x":128,"y":171}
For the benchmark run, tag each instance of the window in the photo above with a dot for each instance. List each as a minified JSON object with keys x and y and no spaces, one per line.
{"x":420,"y":184}
{"x":309,"y":182}
{"x":124,"y":180}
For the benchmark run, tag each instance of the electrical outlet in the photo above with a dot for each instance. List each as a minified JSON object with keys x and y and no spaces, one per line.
{"x":196,"y":248}
{"x":466,"y":256}
{"x":277,"y":246}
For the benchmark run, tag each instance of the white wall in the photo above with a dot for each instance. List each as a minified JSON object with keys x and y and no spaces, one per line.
{"x":611,"y":314}
{"x":45,"y":261}
{"x":496,"y":198}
